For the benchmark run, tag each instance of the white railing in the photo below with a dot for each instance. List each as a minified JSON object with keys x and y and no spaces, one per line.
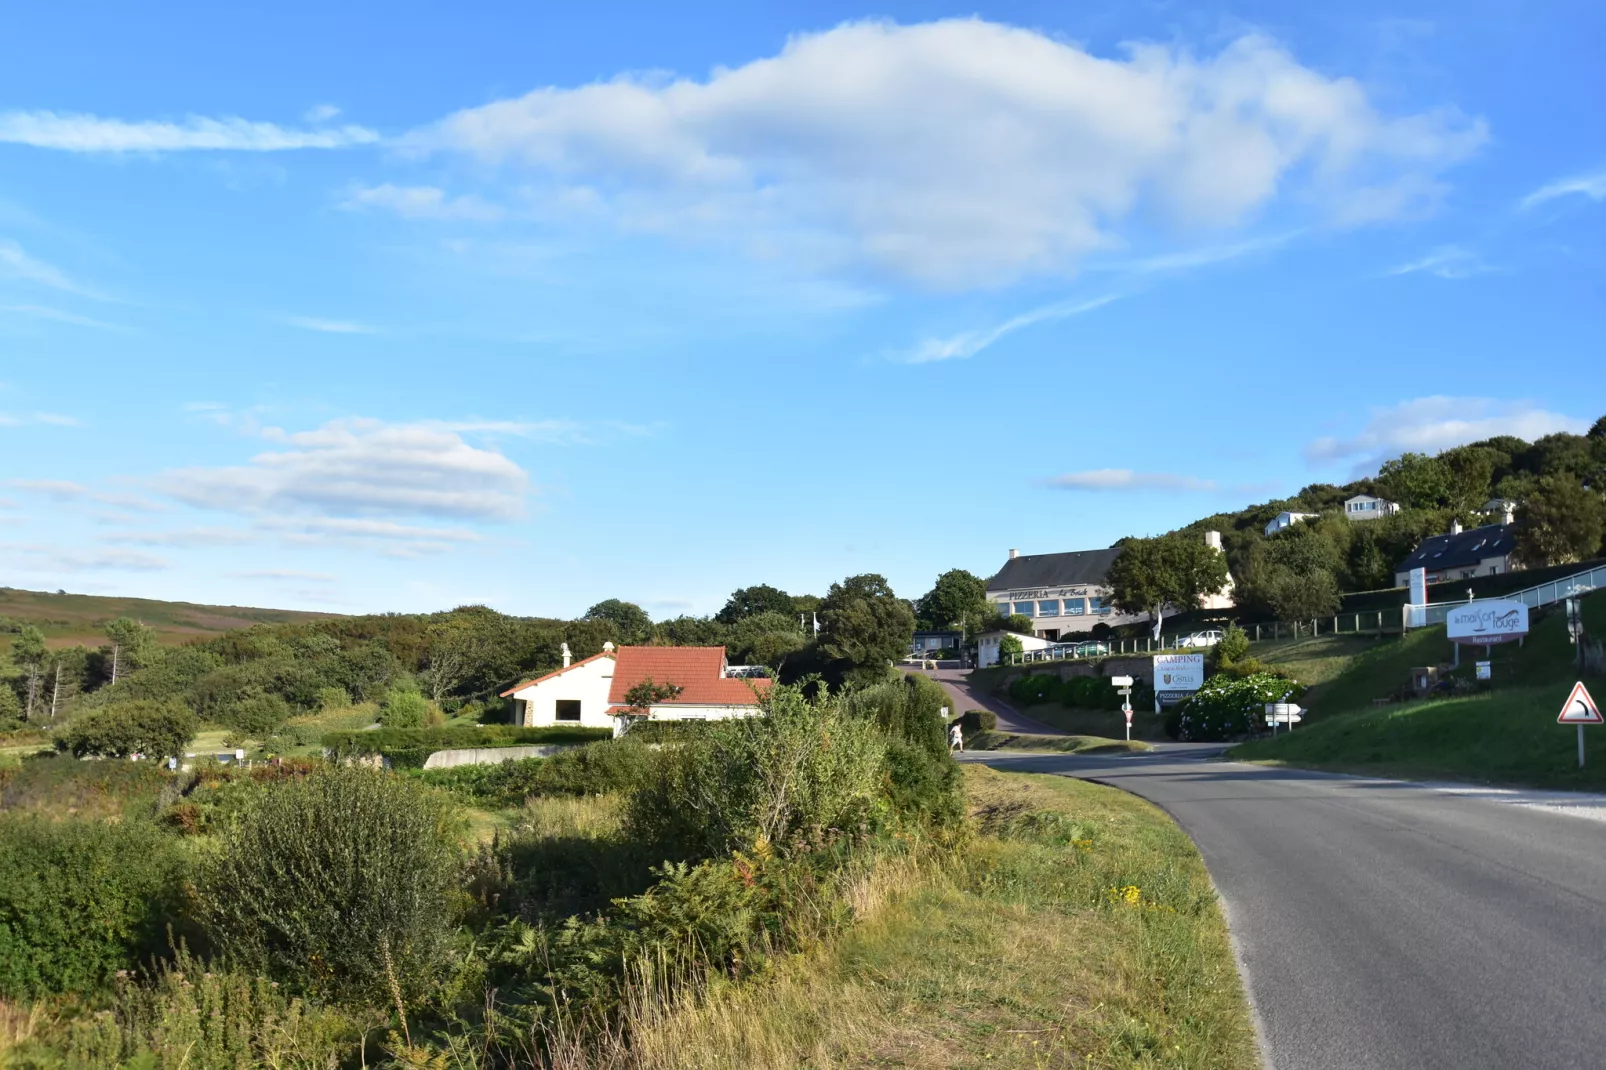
{"x":1545,"y":594}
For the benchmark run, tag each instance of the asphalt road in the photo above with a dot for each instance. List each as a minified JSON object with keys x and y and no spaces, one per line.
{"x":1390,"y":925}
{"x":957,"y":683}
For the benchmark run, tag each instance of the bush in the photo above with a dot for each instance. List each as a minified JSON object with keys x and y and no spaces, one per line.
{"x":923,"y":780}
{"x":1233,"y":647}
{"x":1227,"y":706}
{"x":155,"y":729}
{"x":257,"y":716}
{"x":605,"y":768}
{"x":404,"y":708}
{"x":340,"y":884}
{"x":978,"y":721}
{"x":333,"y":698}
{"x":802,"y":773}
{"x":408,"y":748}
{"x":79,"y":901}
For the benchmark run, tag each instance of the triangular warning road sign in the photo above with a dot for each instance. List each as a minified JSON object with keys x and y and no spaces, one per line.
{"x":1580,"y":708}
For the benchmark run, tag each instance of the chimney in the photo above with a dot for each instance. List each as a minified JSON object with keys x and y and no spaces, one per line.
{"x":1455,"y":527}
{"x":1014,"y":554}
{"x":567,"y":657}
{"x":607,"y":648}
{"x":1213,"y":540}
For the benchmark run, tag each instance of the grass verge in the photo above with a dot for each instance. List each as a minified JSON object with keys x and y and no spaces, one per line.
{"x":1078,"y":929}
{"x":1062,"y":744}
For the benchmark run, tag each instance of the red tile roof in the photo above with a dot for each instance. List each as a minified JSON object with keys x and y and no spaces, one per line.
{"x":698,"y":670}
{"x":556,"y":672}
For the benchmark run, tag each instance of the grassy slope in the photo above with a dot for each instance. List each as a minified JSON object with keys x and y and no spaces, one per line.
{"x":1018,"y":957}
{"x":71,"y":619}
{"x":1508,"y":735}
{"x":1064,"y":744}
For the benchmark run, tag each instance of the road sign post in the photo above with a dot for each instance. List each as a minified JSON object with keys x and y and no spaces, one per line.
{"x":1580,"y":709}
{"x":1124,"y":683}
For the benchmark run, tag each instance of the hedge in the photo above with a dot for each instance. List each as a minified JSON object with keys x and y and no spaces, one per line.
{"x":409,"y":747}
{"x":978,"y":721}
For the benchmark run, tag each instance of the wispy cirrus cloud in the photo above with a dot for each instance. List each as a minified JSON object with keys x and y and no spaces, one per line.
{"x":423,"y":202}
{"x":56,"y":315}
{"x":39,"y":558}
{"x":1431,"y":424}
{"x":47,"y":419}
{"x":17,"y":264}
{"x":1592,"y":186}
{"x":327,"y":326}
{"x":283,"y":574}
{"x":92,"y":133}
{"x":967,"y":344}
{"x":1125,"y":479}
{"x":61,"y":490}
{"x":1445,"y":262}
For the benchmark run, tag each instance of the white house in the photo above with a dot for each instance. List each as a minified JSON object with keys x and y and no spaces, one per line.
{"x":1286,"y":520}
{"x":1369,"y":507}
{"x":593,"y":692}
{"x":987,"y":646}
{"x":1065,"y":594}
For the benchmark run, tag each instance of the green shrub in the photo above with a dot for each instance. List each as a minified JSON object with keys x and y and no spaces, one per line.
{"x":404,"y":708}
{"x":923,"y":781}
{"x":155,"y":729}
{"x":1233,"y":647}
{"x":604,"y":768}
{"x":331,"y":699}
{"x":55,"y":784}
{"x":340,"y":884}
{"x":802,"y":773}
{"x":978,"y":721}
{"x":1035,"y":689}
{"x":79,"y":901}
{"x":1228,"y":706}
{"x":257,"y":716}
{"x":408,"y":748}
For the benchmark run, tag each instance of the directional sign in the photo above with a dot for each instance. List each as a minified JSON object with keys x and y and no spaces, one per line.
{"x":1288,"y":713}
{"x":1121,"y":681}
{"x":1580,"y":708}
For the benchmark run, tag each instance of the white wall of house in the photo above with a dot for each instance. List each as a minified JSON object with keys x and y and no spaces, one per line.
{"x":1488,"y":566}
{"x":1286,"y":520}
{"x":1368,"y":507}
{"x":586,"y":683}
{"x":987,"y":646}
{"x":687,"y":712}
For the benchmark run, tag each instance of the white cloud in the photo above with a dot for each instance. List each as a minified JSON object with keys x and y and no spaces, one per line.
{"x":283,"y":574}
{"x":312,"y":323}
{"x":7,"y":503}
{"x":969,"y":343}
{"x":45,"y":312}
{"x":1592,"y":186}
{"x":1431,"y":424}
{"x":48,"y":419}
{"x":61,"y":490}
{"x":1446,"y":262}
{"x":422,"y":202}
{"x":964,"y":152}
{"x":15,"y":263}
{"x":91,"y":133}
{"x":54,"y":559}
{"x":320,"y":113}
{"x":360,"y":467}
{"x":1120,"y":479}
{"x":188,"y":538}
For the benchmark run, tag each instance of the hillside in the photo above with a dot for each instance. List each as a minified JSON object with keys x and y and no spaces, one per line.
{"x":1507,"y":734}
{"x":73,"y":619}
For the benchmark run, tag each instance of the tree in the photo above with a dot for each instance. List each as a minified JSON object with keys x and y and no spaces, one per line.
{"x":1560,"y":521}
{"x":154,"y":729}
{"x":28,"y":653}
{"x":751,"y":601}
{"x":693,"y":631}
{"x":766,"y":639}
{"x":864,"y":626}
{"x":1415,"y":480}
{"x":1469,"y":475}
{"x":1175,"y":570}
{"x":1018,"y":623}
{"x":642,"y":697}
{"x":958,"y":600}
{"x":630,"y":621}
{"x":1008,"y":647}
{"x":1298,"y":596}
{"x":131,"y":642}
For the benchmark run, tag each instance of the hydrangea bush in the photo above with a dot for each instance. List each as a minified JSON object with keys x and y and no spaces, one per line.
{"x":1230,"y":706}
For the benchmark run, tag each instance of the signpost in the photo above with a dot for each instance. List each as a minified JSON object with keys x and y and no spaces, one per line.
{"x":1176,"y":676}
{"x":1483,"y":670}
{"x":1580,"y":709}
{"x":1288,"y":713}
{"x":1125,"y":685}
{"x":1486,"y":622}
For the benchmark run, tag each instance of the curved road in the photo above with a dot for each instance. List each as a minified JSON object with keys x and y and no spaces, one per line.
{"x":957,"y":683}
{"x":1383,"y":924}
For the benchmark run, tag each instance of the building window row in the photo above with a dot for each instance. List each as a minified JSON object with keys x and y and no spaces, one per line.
{"x":1053,"y":607}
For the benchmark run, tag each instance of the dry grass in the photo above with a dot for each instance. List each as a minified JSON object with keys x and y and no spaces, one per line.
{"x":18,"y":1024}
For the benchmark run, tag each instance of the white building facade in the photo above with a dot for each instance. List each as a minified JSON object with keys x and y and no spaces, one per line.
{"x":1286,"y":520}
{"x":1369,"y":507}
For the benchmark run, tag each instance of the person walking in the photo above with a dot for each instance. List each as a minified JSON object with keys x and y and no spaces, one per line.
{"x":956,"y":738}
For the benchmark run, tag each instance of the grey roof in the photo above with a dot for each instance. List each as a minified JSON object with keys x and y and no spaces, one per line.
{"x":1459,"y":551}
{"x":1055,"y":570}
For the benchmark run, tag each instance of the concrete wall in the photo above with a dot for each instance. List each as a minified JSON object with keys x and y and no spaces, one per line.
{"x":446,"y":759}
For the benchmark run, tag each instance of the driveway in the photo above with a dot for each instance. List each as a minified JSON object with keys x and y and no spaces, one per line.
{"x":957,"y":683}
{"x":1384,"y":925}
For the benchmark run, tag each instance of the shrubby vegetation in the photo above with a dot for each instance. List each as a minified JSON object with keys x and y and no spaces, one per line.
{"x":1231,"y":707}
{"x":144,"y":726}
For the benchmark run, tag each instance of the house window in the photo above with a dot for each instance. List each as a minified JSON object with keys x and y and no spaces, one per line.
{"x":1074,"y":607}
{"x":1096,"y":605}
{"x":1024,"y":608}
{"x":1048,"y":609}
{"x":1003,"y":609}
{"x":568,"y":709}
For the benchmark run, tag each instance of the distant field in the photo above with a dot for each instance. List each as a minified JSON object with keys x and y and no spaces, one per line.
{"x":71,"y":619}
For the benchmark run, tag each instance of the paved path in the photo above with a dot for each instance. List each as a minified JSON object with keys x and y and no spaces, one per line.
{"x":957,"y":683}
{"x":1385,"y":925}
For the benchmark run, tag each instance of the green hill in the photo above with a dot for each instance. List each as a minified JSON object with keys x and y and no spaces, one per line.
{"x":1506,"y":734}
{"x":71,"y":619}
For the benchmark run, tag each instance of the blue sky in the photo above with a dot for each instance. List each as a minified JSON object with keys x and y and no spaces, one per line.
{"x":403,"y":306}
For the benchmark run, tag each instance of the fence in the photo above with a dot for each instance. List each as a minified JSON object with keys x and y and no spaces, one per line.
{"x":1372,"y":622}
{"x":1544,"y":594}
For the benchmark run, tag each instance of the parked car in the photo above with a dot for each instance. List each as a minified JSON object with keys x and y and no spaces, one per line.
{"x":1092,"y":649}
{"x":1200,"y":639}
